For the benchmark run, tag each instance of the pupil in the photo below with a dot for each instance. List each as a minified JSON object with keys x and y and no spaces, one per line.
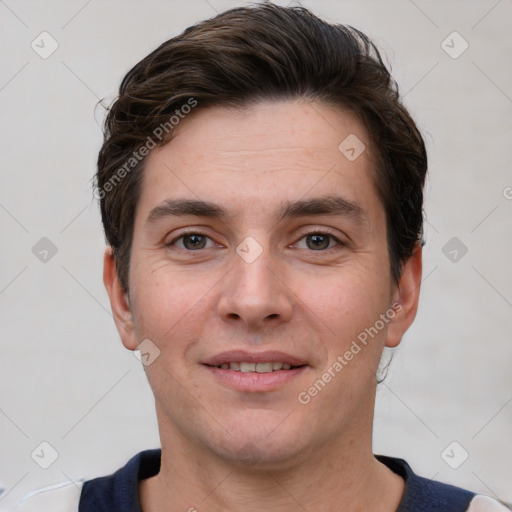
{"x":318,"y":242}
{"x":194,"y":241}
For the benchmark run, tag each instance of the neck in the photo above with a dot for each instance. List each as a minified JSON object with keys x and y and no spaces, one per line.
{"x":341,"y":475}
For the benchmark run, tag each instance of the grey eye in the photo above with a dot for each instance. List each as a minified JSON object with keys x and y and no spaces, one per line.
{"x":318,"y":241}
{"x":194,"y":241}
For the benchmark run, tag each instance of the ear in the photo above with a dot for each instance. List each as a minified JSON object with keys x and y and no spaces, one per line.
{"x":406,"y":296}
{"x":119,"y":301}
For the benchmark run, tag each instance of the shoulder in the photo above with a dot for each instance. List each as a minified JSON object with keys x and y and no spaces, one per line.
{"x":120,"y":490}
{"x":485,"y":504}
{"x":432,"y":496}
{"x":61,"y":497}
{"x":116,"y":492}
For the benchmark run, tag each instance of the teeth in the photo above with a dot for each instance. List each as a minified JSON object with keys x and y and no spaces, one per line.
{"x":255,"y":367}
{"x":247,"y":367}
{"x":264,"y":367}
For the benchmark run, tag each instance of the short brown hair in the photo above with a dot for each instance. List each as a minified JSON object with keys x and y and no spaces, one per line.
{"x":252,"y":54}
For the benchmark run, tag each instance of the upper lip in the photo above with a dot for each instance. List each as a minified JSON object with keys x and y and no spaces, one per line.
{"x":242,"y":356}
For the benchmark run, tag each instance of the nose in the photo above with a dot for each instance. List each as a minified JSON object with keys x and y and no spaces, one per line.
{"x":255,"y":294}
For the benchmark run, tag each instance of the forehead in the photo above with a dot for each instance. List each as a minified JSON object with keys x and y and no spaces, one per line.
{"x":268,"y":152}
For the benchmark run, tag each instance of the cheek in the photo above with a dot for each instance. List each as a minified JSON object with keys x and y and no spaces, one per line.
{"x":347,"y":301}
{"x":166,"y":308}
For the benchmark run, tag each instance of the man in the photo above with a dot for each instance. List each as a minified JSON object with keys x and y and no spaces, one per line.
{"x":260,"y":187}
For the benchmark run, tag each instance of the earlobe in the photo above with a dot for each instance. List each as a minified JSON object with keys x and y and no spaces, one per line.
{"x":119,"y":301}
{"x":406,"y":296}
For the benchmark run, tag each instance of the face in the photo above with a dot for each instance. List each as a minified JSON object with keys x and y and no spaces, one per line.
{"x":259,"y":260}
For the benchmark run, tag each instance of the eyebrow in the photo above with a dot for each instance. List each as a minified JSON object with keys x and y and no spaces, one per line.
{"x":325,"y":205}
{"x":179,"y":207}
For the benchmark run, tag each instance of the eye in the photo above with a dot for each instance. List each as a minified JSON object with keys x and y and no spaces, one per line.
{"x":191,"y":241}
{"x":318,"y":241}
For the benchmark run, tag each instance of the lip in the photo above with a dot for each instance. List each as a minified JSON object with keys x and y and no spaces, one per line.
{"x":242,"y":356}
{"x":252,"y":381}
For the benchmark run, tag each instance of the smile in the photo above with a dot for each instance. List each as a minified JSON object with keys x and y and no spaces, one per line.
{"x":246,"y":367}
{"x":254,"y":371}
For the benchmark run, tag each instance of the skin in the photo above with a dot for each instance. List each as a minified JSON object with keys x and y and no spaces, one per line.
{"x":225,"y":449}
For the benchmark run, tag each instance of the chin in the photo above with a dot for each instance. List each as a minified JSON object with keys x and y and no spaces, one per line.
{"x":264,"y":457}
{"x":272,"y":446}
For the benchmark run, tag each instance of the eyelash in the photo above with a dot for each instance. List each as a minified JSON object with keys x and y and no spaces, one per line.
{"x":184,"y":234}
{"x":324,"y":233}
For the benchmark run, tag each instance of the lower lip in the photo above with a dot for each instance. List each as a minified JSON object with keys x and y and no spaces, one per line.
{"x":253,"y":381}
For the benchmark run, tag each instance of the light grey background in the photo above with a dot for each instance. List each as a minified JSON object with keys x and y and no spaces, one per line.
{"x":65,"y":377}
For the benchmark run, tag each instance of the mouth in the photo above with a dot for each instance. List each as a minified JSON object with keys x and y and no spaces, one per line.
{"x":246,"y":367}
{"x":255,"y":372}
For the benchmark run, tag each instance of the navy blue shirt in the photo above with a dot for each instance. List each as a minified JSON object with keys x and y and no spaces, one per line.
{"x":120,"y":492}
